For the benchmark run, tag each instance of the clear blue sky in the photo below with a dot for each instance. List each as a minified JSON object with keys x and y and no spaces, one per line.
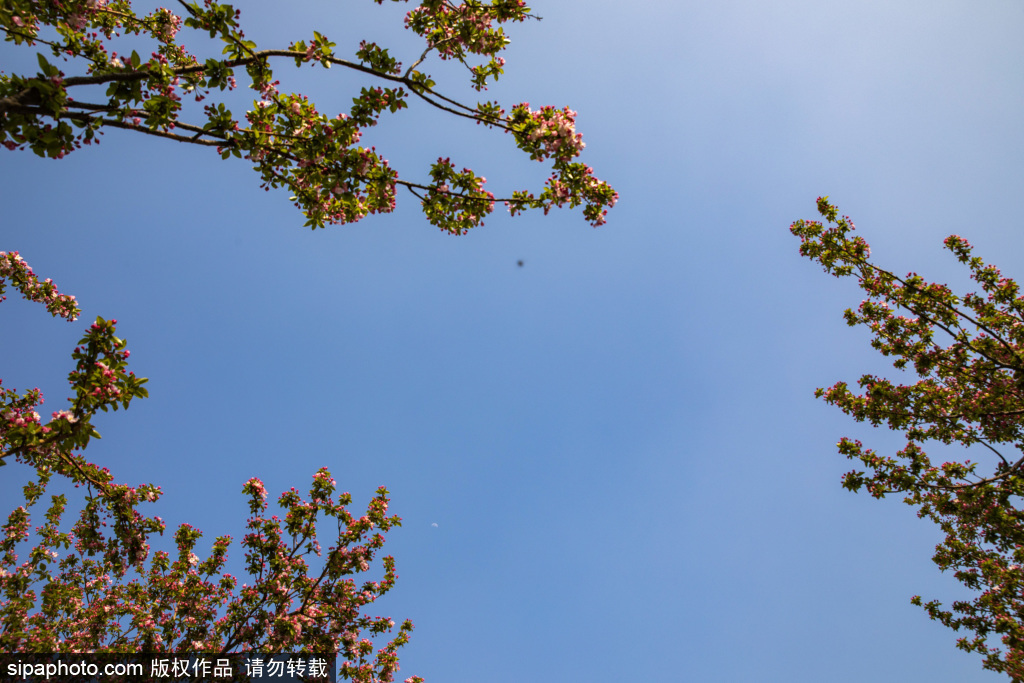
{"x":618,"y":442}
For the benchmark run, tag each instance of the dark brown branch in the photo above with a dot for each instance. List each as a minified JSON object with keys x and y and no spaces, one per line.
{"x":114,"y":123}
{"x":416,"y":88}
{"x":20,"y":103}
{"x":219,"y":142}
{"x":974,"y":484}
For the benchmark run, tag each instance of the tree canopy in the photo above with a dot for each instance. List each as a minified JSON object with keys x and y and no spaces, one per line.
{"x":968,"y":353}
{"x":291,"y":144}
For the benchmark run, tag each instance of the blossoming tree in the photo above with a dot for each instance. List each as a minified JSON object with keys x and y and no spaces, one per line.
{"x":98,"y":586}
{"x":89,"y":588}
{"x":968,"y":353}
{"x":288,"y":140}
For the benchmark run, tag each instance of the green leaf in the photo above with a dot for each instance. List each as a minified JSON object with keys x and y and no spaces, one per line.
{"x":47,"y":68}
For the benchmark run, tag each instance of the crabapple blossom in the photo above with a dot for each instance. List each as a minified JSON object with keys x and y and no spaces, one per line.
{"x":96,"y":586}
{"x":968,"y":352}
{"x":14,"y":269}
{"x":288,"y":141}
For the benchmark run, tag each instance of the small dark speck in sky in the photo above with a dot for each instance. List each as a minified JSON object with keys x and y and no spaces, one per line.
{"x":520,"y":263}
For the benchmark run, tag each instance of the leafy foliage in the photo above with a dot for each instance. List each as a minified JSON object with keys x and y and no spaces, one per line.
{"x":290,"y":143}
{"x":87,"y":589}
{"x":968,"y":352}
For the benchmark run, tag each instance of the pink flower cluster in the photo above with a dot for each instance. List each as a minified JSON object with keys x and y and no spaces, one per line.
{"x":106,"y":389}
{"x":66,"y":415}
{"x":452,"y":29}
{"x":555,"y":133}
{"x":14,"y":268}
{"x":19,"y":418}
{"x":166,"y":24}
{"x":255,"y":487}
{"x":80,"y":19}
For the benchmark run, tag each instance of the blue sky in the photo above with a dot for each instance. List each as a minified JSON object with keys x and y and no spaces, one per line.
{"x":618,"y":442}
